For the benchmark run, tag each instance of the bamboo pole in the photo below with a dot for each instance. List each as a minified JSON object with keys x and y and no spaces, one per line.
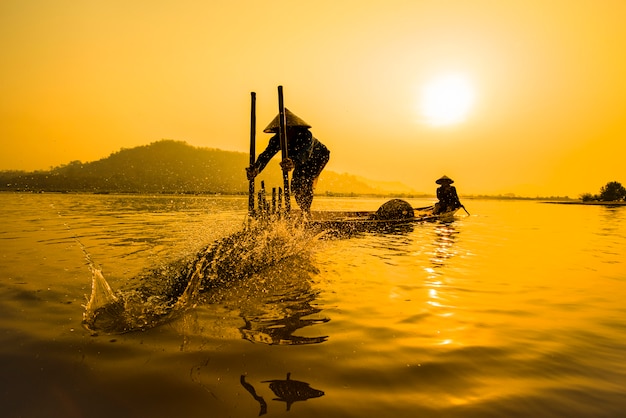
{"x":282,"y":132}
{"x":252,"y":150}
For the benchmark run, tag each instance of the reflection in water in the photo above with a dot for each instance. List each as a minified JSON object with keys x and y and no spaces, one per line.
{"x":286,"y":390}
{"x":611,"y":225}
{"x":274,"y":328}
{"x":252,"y":391}
{"x":279,"y":304}
{"x":290,"y":391}
{"x":518,"y":331}
{"x":445,"y":236}
{"x":444,"y":243}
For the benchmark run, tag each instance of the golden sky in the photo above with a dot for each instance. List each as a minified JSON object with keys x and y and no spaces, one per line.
{"x":541,"y":85}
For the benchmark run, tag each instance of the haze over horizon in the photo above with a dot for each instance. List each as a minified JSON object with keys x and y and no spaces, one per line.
{"x":513,"y":97}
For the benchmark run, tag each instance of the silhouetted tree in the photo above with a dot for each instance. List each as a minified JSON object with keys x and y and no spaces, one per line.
{"x":613,"y":191}
{"x":588,"y":197}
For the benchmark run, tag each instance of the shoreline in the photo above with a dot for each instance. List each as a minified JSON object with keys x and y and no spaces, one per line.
{"x":594,"y":203}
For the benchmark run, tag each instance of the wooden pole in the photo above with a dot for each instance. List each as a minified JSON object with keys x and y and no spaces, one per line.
{"x":252,"y":150}
{"x":273,"y":199}
{"x":282,"y":132}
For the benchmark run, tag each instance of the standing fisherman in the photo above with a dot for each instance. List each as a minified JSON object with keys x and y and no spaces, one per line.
{"x":307,"y":156}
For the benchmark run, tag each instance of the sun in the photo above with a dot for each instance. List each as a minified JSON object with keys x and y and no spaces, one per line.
{"x":446,"y":100}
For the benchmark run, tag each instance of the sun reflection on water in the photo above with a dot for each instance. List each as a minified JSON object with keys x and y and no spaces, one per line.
{"x":438,"y":285}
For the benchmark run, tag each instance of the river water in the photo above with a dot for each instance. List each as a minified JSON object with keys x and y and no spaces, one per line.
{"x":515,"y":311}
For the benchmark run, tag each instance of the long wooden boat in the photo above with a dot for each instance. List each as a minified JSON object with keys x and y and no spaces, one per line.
{"x":364,"y":221}
{"x":395,"y":214}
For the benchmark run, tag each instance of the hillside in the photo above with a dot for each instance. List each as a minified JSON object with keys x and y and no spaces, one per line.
{"x":169,"y":166}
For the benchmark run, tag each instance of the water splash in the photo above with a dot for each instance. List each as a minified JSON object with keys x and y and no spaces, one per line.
{"x":158,"y":295}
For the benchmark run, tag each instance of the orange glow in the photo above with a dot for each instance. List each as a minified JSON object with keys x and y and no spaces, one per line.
{"x":81,"y":80}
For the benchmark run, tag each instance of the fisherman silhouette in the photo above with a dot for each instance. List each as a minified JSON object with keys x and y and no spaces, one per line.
{"x":307,"y":156}
{"x":448,"y":198}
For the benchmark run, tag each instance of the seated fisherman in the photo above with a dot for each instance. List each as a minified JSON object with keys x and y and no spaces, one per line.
{"x":446,"y":193}
{"x":306,"y":156}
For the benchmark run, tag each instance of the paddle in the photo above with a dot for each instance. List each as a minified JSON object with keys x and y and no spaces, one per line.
{"x":282,"y":132}
{"x":432,"y":206}
{"x":252,"y":151}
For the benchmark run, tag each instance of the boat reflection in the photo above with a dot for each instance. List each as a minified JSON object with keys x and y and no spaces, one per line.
{"x":283,"y":304}
{"x":285,"y":390}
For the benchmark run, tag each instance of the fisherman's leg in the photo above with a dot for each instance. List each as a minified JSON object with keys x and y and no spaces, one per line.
{"x":315,"y":183}
{"x":305,"y":179}
{"x":315,"y":167}
{"x":318,"y":164}
{"x":304,"y":199}
{"x":302,"y":188}
{"x":437,"y":208}
{"x":316,"y":172}
{"x":443,"y":207}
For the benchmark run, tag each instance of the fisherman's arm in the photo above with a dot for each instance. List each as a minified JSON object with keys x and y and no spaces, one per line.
{"x":272,"y":149}
{"x":457,"y":201}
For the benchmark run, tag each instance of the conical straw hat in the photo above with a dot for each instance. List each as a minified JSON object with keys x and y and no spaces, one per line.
{"x":292,"y":120}
{"x":444,"y":179}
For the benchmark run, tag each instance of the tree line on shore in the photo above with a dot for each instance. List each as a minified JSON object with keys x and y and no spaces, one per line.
{"x":175,"y":167}
{"x":613,"y":191}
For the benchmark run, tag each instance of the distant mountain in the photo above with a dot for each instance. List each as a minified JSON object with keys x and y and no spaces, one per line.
{"x":176,"y":167}
{"x":333,"y":183}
